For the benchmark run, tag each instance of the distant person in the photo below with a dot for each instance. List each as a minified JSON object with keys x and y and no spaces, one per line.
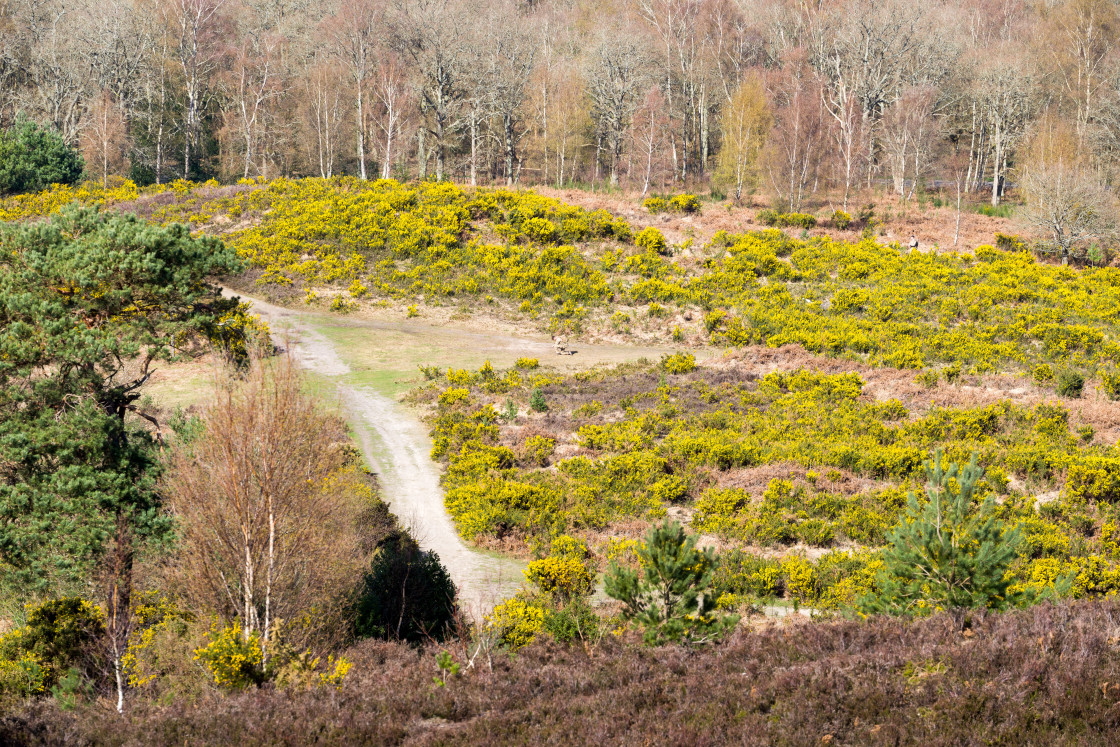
{"x":913,"y":243}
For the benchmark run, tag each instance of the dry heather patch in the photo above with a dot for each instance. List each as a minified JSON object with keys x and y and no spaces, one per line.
{"x":1046,"y":675}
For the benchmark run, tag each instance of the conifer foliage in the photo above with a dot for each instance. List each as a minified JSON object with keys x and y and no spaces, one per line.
{"x":947,"y":554}
{"x":89,"y":301}
{"x":670,"y":597}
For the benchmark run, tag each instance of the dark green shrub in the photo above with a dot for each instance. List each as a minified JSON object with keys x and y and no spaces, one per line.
{"x":1069,"y":383}
{"x":536,"y":401}
{"x":407,"y":594}
{"x":33,"y":158}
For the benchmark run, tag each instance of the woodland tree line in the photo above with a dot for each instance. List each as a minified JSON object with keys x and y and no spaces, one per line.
{"x":789,"y":97}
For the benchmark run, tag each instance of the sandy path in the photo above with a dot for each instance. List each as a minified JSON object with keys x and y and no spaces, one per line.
{"x":396,"y":445}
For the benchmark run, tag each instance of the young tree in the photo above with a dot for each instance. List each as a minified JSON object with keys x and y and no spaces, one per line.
{"x":794,"y":150}
{"x":268,"y":511}
{"x":651,"y":124}
{"x":670,"y":596}
{"x":746,"y":127}
{"x":323,"y":88}
{"x":947,"y":554}
{"x":392,"y":99}
{"x":105,"y":140}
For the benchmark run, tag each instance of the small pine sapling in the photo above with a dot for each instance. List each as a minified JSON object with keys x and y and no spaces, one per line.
{"x":948,"y":554}
{"x":671,"y":597}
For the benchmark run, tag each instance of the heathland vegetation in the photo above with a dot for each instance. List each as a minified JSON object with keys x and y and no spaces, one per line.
{"x":863,"y":488}
{"x":243,"y":546}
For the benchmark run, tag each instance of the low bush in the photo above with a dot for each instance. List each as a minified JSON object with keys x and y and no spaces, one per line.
{"x":1033,"y":676}
{"x":684,"y":203}
{"x":1069,"y":383}
{"x":841,"y":219}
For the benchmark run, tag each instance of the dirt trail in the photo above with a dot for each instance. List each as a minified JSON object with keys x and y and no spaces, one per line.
{"x":395,"y":443}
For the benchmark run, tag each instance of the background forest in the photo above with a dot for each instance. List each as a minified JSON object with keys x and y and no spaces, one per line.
{"x":795,"y":97}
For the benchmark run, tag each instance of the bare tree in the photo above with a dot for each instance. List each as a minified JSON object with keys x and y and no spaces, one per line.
{"x":514,"y":50}
{"x":391,"y":95}
{"x":1006,"y":93}
{"x":253,"y":81}
{"x":324,"y":92}
{"x":614,"y":80}
{"x":354,"y":29}
{"x":1085,"y":32}
{"x":197,"y":25}
{"x":1068,"y":203}
{"x":651,"y":124}
{"x":908,"y":130}
{"x":794,"y":152}
{"x":266,"y":510}
{"x":433,"y":34}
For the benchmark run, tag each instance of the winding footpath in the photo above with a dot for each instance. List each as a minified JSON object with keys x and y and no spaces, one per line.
{"x":396,"y":446}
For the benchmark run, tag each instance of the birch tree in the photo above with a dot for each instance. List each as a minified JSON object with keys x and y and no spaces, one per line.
{"x":267,"y":516}
{"x":746,"y":127}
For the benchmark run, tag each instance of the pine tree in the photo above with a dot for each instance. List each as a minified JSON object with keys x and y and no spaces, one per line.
{"x":670,"y":598}
{"x":34,"y":158}
{"x":947,"y":554}
{"x":89,"y":302}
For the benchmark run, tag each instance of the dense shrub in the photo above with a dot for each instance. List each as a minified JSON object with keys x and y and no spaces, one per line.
{"x":797,"y":220}
{"x":1069,"y":383}
{"x":651,"y":240}
{"x":406,"y":595}
{"x":59,"y":635}
{"x":33,"y":158}
{"x":679,"y":363}
{"x":841,"y":219}
{"x":685,"y":203}
{"x":655,"y":205}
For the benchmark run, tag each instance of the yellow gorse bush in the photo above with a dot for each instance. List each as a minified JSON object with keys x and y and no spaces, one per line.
{"x":383,"y":239}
